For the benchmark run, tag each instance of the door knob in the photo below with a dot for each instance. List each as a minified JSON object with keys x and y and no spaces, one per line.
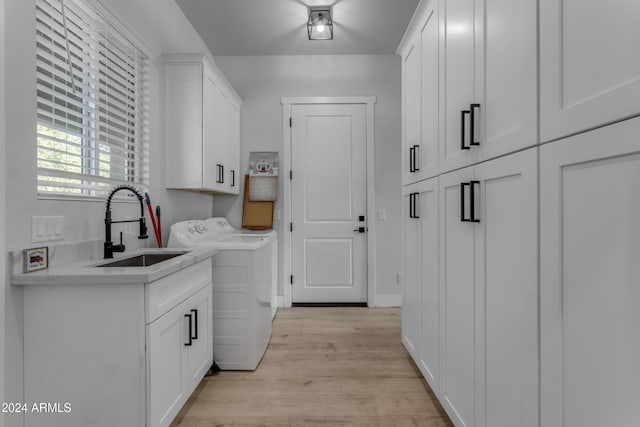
{"x":360,"y":229}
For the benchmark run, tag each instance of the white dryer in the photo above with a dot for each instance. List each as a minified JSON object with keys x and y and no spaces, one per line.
{"x":242,"y":276}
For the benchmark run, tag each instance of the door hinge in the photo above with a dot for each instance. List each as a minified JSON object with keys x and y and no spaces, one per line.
{"x":290,"y":122}
{"x":291,"y":279}
{"x":290,"y":226}
{"x":290,"y":174}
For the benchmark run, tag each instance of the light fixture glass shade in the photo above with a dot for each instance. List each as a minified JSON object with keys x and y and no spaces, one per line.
{"x":320,"y":23}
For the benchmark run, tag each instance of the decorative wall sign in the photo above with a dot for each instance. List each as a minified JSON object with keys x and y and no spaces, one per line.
{"x":36,"y":259}
{"x":263,"y":176}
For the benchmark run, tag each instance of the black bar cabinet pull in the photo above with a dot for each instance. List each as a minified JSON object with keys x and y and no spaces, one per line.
{"x":416,"y":165}
{"x":411,"y":159}
{"x":188,"y":316}
{"x":462,"y":201}
{"x":413,"y":208}
{"x":463,"y":113}
{"x":472,"y":133}
{"x":233,"y":178}
{"x":195,"y":322}
{"x":410,"y":205}
{"x":473,"y":201}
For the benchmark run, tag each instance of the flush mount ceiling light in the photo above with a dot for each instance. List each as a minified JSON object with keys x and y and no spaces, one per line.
{"x":320,"y":24}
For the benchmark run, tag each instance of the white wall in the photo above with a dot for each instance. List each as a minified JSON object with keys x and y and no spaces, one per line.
{"x":3,"y":252}
{"x":163,"y":27}
{"x":261,"y":81}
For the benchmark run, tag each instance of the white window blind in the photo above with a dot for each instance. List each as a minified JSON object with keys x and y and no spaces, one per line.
{"x":92,"y":103}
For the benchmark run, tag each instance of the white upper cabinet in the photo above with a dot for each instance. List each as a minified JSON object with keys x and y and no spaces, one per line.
{"x":589,"y":65}
{"x":489,"y":95}
{"x":420,"y":104}
{"x":411,"y":137}
{"x":506,"y":76}
{"x":202,"y":126}
{"x":458,"y":86}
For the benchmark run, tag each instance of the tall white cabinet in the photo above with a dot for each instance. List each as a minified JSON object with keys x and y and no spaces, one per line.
{"x":590,"y":278}
{"x":202,"y":126}
{"x":521,"y":246}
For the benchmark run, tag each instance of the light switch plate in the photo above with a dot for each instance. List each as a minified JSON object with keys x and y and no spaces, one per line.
{"x":47,"y":228}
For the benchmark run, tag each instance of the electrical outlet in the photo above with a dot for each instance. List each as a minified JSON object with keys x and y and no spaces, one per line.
{"x":276,"y":214}
{"x":382,"y":215}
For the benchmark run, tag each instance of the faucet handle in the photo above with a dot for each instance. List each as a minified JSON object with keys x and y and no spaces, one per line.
{"x":143,"y":229}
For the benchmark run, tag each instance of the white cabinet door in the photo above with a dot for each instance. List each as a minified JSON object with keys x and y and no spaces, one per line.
{"x":506,"y":76}
{"x":457,"y":66}
{"x":590,"y":276}
{"x":506,"y":291}
{"x":187,"y":95}
{"x":427,"y":211}
{"x":411,"y":111}
{"x":412,"y":260}
{"x":489,"y":67}
{"x":589,"y":64}
{"x":458,"y":298}
{"x":216,"y":141}
{"x":199,"y":356}
{"x":427,"y":154}
{"x":166,"y":337}
{"x":234,"y":149}
{"x":210,"y":151}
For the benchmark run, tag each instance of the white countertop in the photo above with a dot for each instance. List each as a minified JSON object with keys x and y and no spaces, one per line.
{"x":86,"y":272}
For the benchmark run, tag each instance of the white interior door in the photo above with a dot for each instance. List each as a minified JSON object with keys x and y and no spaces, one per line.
{"x":328,"y":203}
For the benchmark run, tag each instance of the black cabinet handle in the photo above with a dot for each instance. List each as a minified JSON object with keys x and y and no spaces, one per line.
{"x":413,"y":208}
{"x":473,"y":201}
{"x":416,"y":165}
{"x":220,"y":179}
{"x":462,"y":201}
{"x":195,"y":322}
{"x":233,"y":178}
{"x":463,"y":121}
{"x":410,"y":205}
{"x":472,"y":137}
{"x":188,"y":316}
{"x":411,"y":159}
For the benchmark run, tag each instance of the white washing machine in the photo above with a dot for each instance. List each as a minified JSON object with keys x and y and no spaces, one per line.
{"x":242,"y":287}
{"x":222,"y":226}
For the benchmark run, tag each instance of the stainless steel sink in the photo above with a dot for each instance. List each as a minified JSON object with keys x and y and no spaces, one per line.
{"x":143,"y":260}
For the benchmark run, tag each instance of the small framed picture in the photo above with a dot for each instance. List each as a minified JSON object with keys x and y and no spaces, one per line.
{"x":36,"y":259}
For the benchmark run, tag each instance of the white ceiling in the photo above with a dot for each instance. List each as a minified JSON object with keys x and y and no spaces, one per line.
{"x":278,"y":27}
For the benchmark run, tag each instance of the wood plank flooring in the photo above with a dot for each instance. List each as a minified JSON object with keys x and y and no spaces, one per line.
{"x":323,"y":367}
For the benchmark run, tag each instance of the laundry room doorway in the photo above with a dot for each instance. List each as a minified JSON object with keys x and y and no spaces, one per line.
{"x":328,"y":200}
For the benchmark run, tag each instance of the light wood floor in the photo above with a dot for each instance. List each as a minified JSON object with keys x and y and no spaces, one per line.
{"x":323,"y":367}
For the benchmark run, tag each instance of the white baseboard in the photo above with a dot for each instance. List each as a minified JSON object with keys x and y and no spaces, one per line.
{"x":394,"y":300}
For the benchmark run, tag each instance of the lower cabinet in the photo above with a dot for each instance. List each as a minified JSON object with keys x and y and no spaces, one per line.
{"x":116,"y":354}
{"x":590,"y":278}
{"x":178,"y":356}
{"x":476,"y":242}
{"x":421,"y":332}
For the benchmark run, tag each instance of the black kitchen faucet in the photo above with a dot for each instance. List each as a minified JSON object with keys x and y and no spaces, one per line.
{"x":109,"y":247}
